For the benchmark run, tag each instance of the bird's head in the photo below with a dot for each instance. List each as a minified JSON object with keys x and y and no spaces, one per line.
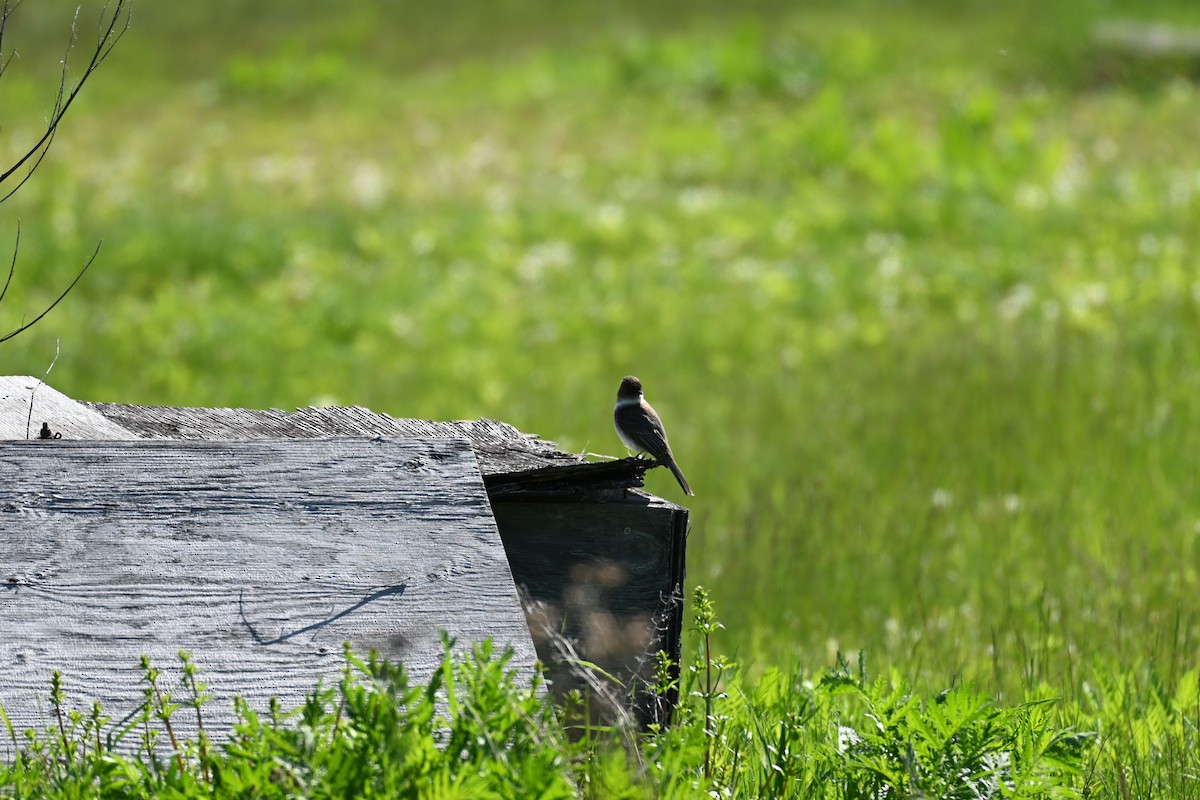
{"x":631,"y":388}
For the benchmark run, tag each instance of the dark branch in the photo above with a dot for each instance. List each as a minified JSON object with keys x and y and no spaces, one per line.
{"x":5,"y":13}
{"x":12,"y":268}
{"x":50,"y":307}
{"x":107,"y":37}
{"x":113,"y":24}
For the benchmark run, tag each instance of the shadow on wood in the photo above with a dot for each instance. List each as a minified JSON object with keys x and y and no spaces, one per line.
{"x":606,"y":573}
{"x":259,"y":557}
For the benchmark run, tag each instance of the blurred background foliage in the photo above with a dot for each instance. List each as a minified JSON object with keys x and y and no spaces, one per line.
{"x":914,"y":285}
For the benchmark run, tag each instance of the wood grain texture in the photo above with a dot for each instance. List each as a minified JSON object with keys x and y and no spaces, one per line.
{"x":259,"y":557}
{"x":591,"y":478}
{"x":499,"y":447}
{"x":601,"y":563}
{"x":512,"y":462}
{"x":21,"y":394}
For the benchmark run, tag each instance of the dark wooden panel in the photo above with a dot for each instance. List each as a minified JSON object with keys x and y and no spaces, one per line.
{"x":260,"y":557}
{"x":606,"y":576}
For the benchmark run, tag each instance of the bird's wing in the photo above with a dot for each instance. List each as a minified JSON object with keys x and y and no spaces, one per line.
{"x":646,"y":430}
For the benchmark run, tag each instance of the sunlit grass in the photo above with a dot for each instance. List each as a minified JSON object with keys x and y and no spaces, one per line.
{"x":478,"y":729}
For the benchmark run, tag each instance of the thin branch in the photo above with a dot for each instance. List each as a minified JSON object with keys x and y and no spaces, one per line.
{"x":56,"y":115}
{"x":50,"y":307}
{"x":107,"y":38}
{"x":12,"y":267}
{"x":39,"y":384}
{"x":5,"y":13}
{"x":113,"y":24}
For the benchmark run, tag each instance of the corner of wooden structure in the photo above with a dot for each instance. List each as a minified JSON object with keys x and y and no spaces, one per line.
{"x":26,"y":403}
{"x":602,"y":577}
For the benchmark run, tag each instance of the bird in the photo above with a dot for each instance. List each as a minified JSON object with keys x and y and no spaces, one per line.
{"x":641,"y":430}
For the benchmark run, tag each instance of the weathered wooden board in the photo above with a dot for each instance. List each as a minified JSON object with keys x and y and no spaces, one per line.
{"x":25,"y":403}
{"x":512,"y":462}
{"x":499,"y":446}
{"x":603,"y":566}
{"x":259,"y":557}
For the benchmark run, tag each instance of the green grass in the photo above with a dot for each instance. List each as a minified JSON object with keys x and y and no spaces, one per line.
{"x":475,"y":731}
{"x":914,"y":287}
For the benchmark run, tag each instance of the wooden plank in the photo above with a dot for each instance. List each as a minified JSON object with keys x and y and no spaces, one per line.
{"x":26,"y":403}
{"x":596,"y":477}
{"x":500,"y":447}
{"x":259,"y":557}
{"x":512,"y":462}
{"x":608,"y":576}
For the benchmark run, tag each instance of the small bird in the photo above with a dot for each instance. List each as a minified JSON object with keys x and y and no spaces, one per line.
{"x":641,"y":430}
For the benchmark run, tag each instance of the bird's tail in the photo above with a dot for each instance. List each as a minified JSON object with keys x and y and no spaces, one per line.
{"x":678,"y":473}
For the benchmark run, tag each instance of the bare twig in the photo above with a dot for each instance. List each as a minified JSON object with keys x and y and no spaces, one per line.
{"x":12,"y":267}
{"x":113,"y":23}
{"x":38,"y":385}
{"x":107,"y":37}
{"x":5,"y":13}
{"x":50,"y":307}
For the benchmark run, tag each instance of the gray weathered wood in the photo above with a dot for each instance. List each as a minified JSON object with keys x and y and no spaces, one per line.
{"x":562,"y":520}
{"x":498,"y":446}
{"x":25,"y":403}
{"x":512,"y":462}
{"x":259,"y":557}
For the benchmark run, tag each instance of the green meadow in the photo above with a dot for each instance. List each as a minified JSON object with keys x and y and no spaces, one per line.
{"x":913,"y":285}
